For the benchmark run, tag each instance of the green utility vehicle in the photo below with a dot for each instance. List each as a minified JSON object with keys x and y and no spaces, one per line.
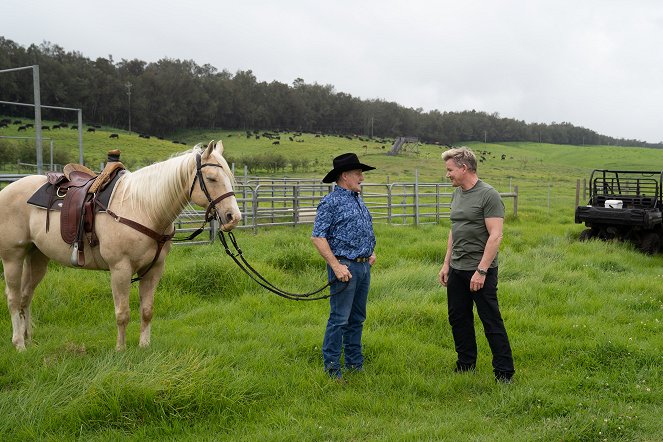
{"x":624,"y":205}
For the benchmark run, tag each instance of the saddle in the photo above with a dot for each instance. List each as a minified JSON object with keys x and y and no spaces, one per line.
{"x":76,"y":192}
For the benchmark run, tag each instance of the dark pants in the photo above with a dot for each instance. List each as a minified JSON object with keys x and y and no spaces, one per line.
{"x":461,"y":317}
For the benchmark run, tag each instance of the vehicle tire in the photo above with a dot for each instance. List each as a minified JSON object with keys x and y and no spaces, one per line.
{"x":586,"y":234}
{"x":650,"y":243}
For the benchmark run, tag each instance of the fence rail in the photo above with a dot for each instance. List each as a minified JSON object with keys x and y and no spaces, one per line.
{"x":279,"y":202}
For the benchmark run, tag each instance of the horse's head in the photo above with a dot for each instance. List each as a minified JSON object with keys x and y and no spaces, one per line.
{"x":212,"y":186}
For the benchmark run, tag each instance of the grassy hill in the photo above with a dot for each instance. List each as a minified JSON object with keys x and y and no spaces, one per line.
{"x":230,"y":361}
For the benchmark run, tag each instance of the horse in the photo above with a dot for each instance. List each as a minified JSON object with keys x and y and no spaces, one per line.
{"x":151,"y":197}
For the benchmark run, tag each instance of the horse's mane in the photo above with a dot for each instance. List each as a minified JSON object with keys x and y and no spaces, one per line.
{"x":161,"y":189}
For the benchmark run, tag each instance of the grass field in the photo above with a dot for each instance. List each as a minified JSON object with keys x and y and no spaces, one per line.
{"x":230,"y":361}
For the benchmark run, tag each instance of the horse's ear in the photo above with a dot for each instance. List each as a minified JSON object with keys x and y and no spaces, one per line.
{"x":219,"y":147}
{"x":213,"y":145}
{"x":210,"y":148}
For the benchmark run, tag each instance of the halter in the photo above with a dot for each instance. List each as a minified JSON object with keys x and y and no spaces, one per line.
{"x":201,"y":182}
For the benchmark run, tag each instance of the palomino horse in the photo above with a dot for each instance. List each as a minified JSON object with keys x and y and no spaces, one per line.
{"x":152,"y":197}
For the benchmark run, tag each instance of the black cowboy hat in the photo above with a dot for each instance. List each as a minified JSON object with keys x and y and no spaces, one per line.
{"x":343,"y":163}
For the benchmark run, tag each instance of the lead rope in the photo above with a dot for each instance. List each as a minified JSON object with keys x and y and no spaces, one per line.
{"x":257,"y":277}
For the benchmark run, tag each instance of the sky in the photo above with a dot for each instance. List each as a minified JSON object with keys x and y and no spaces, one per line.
{"x":593,"y":63}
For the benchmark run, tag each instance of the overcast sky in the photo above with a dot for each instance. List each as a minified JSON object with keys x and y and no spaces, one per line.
{"x":593,"y":63}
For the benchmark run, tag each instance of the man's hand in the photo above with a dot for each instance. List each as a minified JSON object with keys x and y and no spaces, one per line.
{"x":342,"y":272}
{"x":477,"y":282}
{"x":443,"y":276}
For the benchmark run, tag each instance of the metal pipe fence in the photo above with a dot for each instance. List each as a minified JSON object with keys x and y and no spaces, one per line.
{"x":291,"y":202}
{"x":275,"y":203}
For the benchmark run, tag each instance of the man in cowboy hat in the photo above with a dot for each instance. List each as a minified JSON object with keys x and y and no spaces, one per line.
{"x":343,"y":235}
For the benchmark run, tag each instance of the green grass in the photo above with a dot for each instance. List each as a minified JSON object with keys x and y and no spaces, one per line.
{"x":230,"y":361}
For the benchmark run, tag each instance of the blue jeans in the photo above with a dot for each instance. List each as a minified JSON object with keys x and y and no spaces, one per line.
{"x":347,"y":314}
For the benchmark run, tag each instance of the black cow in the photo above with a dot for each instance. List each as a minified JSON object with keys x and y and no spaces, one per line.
{"x":20,"y":128}
{"x":114,"y":136}
{"x":90,"y":129}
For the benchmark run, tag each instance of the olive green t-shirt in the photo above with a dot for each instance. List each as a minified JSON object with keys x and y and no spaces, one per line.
{"x":469,"y":209}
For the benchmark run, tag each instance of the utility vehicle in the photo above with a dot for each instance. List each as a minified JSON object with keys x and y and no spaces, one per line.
{"x":624,"y":205}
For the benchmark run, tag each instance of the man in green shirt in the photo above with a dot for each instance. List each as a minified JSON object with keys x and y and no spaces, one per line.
{"x":469,"y":271}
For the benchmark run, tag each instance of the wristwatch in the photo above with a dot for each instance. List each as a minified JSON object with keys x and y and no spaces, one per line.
{"x":481,"y":271}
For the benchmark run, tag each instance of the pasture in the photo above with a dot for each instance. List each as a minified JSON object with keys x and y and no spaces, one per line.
{"x":230,"y":361}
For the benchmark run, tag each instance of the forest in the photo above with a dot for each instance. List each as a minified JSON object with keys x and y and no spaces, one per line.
{"x":159,"y":98}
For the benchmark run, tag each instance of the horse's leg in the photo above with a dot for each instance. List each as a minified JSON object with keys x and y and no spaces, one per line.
{"x":13,"y":269}
{"x":121,"y":283}
{"x":34,"y":269}
{"x":148,"y":285}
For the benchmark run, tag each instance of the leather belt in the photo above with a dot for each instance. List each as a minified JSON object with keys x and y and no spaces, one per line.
{"x":358,"y":259}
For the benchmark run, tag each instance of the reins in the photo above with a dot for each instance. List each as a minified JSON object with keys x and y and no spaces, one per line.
{"x":257,"y":277}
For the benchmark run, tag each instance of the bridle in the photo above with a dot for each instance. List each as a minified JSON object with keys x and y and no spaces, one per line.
{"x":210,"y":212}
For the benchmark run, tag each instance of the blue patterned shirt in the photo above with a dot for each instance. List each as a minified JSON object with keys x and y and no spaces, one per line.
{"x":346,"y":223}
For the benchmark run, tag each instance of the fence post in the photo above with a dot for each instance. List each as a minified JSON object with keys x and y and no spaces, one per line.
{"x":295,"y":203}
{"x":213,"y":229}
{"x":389,"y":200}
{"x":437,"y":202}
{"x":244,"y":200}
{"x":515,"y":201}
{"x":577,"y":192}
{"x":416,"y":197}
{"x":254,"y":209}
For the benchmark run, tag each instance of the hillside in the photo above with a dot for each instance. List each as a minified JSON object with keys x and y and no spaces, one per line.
{"x":312,"y":154}
{"x":230,"y":361}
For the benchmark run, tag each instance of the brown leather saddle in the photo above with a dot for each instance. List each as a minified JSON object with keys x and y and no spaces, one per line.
{"x":76,"y":192}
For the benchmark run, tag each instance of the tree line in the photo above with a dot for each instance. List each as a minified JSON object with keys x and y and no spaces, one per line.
{"x":162,"y":97}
